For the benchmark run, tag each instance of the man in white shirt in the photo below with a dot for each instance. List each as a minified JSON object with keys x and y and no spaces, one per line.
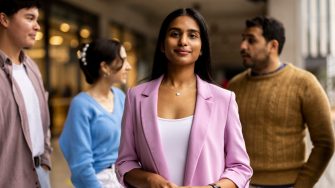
{"x":24,"y":116}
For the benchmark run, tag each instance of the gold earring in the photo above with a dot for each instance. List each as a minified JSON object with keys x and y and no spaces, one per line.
{"x":106,"y":74}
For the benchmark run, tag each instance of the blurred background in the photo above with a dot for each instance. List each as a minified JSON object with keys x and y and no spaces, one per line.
{"x":65,"y":24}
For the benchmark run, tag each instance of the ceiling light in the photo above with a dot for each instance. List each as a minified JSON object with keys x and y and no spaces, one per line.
{"x":85,"y":33}
{"x":39,"y":35}
{"x":64,"y":27}
{"x":74,"y":43}
{"x":56,"y":40}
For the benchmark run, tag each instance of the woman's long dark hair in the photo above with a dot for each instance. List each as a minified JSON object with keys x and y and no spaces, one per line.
{"x":203,"y":63}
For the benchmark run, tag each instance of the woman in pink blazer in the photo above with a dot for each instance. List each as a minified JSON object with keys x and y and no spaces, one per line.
{"x":179,"y":129}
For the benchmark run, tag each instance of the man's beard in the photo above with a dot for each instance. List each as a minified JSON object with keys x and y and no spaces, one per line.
{"x":258,"y":61}
{"x":257,"y":64}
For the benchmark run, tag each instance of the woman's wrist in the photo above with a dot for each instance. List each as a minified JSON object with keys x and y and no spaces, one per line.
{"x":213,"y":185}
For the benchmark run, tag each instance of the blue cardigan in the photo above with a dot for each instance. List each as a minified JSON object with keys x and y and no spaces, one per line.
{"x":90,"y":138}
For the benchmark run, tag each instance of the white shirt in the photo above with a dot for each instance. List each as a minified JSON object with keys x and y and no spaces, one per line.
{"x":174,"y":135}
{"x":32,"y":107}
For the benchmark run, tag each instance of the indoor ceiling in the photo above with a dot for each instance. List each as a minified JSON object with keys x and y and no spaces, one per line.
{"x":211,"y":9}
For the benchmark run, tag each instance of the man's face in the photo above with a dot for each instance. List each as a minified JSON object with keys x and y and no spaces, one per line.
{"x":22,"y":27}
{"x":254,"y":49}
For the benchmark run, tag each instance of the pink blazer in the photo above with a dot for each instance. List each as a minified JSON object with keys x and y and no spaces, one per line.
{"x":216,"y":147}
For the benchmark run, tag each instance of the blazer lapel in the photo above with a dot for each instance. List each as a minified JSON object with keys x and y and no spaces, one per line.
{"x":150,"y":126}
{"x":199,"y":129}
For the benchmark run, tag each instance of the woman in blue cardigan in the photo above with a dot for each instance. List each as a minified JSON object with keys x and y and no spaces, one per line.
{"x":91,"y":134}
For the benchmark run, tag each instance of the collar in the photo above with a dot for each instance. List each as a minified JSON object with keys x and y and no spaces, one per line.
{"x":6,"y":63}
{"x":282,"y":65}
{"x":4,"y":59}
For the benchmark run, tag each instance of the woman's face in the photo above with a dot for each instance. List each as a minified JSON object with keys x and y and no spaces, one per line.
{"x":182,"y":45}
{"x":121,"y":76}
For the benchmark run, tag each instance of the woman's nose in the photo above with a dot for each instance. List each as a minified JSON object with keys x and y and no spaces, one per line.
{"x":183,"y":40}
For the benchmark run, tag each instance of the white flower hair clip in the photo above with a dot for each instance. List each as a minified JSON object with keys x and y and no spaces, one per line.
{"x":82,"y":54}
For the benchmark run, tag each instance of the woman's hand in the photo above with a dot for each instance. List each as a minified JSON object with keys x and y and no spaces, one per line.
{"x":157,"y":181}
{"x":145,"y":179}
{"x":223,"y":183}
{"x":195,"y":186}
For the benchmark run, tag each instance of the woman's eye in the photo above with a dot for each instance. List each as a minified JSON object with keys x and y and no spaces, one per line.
{"x":174,"y":34}
{"x":193,"y":36}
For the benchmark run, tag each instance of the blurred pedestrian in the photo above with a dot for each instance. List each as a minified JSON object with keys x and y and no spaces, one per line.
{"x":91,"y":135}
{"x":278,"y":103}
{"x":24,"y":116}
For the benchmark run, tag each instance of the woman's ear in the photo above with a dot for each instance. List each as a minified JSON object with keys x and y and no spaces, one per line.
{"x":4,"y":21}
{"x":104,"y":68}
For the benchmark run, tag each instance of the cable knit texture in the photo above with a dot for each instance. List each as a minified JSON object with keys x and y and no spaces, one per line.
{"x":275,"y":111}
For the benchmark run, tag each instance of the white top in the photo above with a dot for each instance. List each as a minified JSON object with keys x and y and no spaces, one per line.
{"x":174,"y":135}
{"x":32,"y":107}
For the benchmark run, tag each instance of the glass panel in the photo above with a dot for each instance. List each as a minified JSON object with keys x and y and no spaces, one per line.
{"x":69,"y":28}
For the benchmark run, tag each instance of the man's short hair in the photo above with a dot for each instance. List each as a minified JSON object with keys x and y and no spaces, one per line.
{"x":10,"y":7}
{"x":272,"y":29}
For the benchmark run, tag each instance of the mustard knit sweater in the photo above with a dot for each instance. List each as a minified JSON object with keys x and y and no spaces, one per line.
{"x":275,"y":111}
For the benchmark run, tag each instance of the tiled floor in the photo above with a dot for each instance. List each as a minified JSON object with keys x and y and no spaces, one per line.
{"x":327,"y":180}
{"x":60,"y":174}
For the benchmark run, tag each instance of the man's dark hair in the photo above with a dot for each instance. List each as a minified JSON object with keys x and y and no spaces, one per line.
{"x":272,"y":29}
{"x":10,"y":7}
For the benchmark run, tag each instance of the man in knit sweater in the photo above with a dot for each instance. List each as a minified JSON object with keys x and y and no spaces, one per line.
{"x":278,"y":103}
